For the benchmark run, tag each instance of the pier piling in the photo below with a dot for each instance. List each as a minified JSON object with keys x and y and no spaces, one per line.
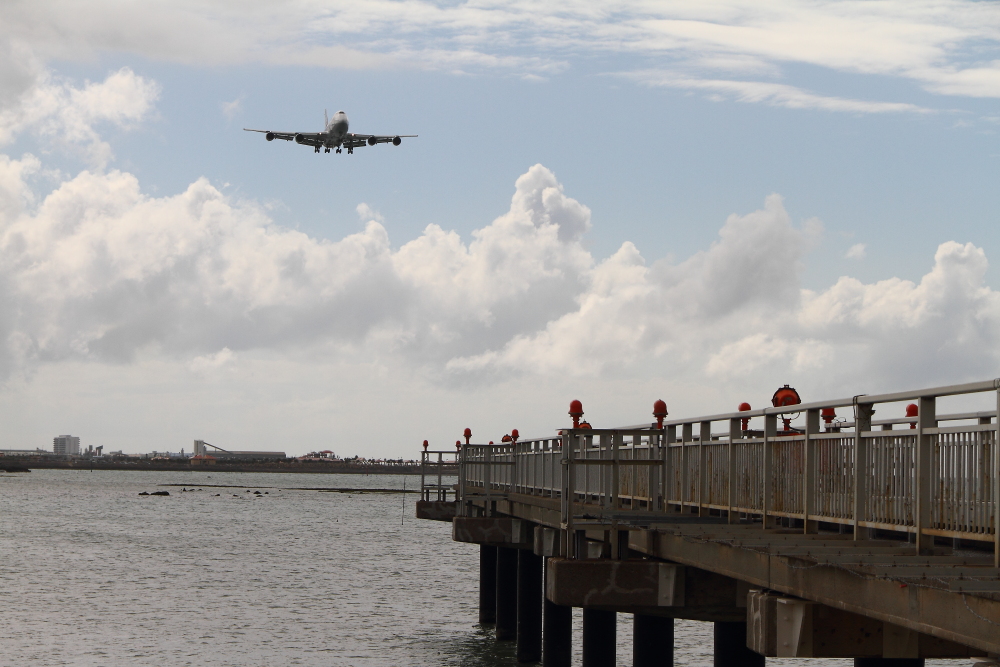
{"x":557,"y":632}
{"x":731,"y":646}
{"x":506,"y":593}
{"x":888,"y":662}
{"x":529,"y":606}
{"x":599,"y":638}
{"x":652,"y":641}
{"x":487,"y":584}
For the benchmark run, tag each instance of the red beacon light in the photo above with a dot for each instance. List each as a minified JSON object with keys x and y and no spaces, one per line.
{"x":467,"y":435}
{"x":458,"y":445}
{"x":506,"y":438}
{"x":784,"y":397}
{"x":585,"y":424}
{"x":828,"y":415}
{"x":745,"y":407}
{"x":576,"y":411}
{"x":425,"y":445}
{"x":514,"y":435}
{"x":659,"y":411}
{"x":912,"y":411}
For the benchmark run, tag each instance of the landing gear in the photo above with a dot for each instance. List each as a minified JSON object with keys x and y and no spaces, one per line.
{"x":316,"y":149}
{"x":350,"y":150}
{"x":338,"y":150}
{"x":326,"y":150}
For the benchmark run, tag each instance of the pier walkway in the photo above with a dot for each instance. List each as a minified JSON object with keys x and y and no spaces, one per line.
{"x":800,"y":530}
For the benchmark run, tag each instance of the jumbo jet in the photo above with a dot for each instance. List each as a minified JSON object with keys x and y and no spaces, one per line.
{"x":334,"y":135}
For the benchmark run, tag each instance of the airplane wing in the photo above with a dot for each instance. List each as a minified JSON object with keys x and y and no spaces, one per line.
{"x":305,"y":138}
{"x":358,"y":140}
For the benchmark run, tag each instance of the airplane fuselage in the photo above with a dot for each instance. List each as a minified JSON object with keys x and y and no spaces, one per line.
{"x":336,"y":130}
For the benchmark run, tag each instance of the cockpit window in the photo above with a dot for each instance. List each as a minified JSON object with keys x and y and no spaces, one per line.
{"x":340,"y":112}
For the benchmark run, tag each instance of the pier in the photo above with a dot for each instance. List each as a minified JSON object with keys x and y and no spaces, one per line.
{"x":810,"y":530}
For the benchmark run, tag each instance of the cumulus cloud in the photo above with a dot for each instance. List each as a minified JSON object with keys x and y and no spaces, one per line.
{"x":68,"y":116}
{"x":99,"y":278}
{"x":98,"y":271}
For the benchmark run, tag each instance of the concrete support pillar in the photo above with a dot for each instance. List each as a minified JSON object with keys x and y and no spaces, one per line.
{"x":529,"y":606}
{"x":506,"y":592}
{"x":487,"y":584}
{"x":557,"y":632}
{"x":652,"y":641}
{"x":888,"y":662}
{"x":599,"y":640}
{"x":731,"y":646}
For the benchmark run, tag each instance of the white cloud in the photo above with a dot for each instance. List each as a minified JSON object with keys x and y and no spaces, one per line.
{"x":233,"y":108}
{"x":201,"y":294}
{"x":67,"y":116}
{"x":775,"y":94}
{"x":856,"y":252}
{"x":947,"y":46}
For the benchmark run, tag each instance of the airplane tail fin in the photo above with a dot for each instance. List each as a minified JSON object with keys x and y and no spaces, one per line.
{"x":326,"y":120}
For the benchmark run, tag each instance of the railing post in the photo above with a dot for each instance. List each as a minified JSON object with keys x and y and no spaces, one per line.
{"x":704,"y":436}
{"x":488,"y":478}
{"x":460,"y":492}
{"x":995,"y":475}
{"x":568,"y":491}
{"x":770,"y":432}
{"x":423,"y":466}
{"x":735,"y":431}
{"x":809,"y":471}
{"x":926,"y":418}
{"x":440,"y":489}
{"x":687,"y":437}
{"x":617,"y":440}
{"x":862,"y":423}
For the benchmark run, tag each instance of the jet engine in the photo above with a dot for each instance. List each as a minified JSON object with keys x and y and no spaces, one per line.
{"x":269,"y":136}
{"x":396,"y":141}
{"x":299,"y":138}
{"x":372,"y":141}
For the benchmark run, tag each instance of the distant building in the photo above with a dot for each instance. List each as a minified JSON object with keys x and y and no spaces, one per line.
{"x":66,"y":445}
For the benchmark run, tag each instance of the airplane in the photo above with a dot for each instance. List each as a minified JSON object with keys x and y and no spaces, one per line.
{"x":334,"y":135}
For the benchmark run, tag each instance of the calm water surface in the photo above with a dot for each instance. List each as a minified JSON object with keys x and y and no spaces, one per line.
{"x":91,"y":573}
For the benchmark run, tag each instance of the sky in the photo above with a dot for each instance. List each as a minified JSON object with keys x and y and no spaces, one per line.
{"x":690,"y":201}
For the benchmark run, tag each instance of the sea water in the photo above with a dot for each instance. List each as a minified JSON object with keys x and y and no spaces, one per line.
{"x":92,"y":573}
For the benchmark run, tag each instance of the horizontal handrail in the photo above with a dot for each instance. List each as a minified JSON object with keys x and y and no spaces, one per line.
{"x":931,"y":479}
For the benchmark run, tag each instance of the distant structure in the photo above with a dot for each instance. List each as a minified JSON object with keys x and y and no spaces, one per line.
{"x":220,"y":453}
{"x":66,"y":445}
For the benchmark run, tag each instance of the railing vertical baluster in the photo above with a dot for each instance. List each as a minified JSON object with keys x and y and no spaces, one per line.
{"x":809,"y":471}
{"x":770,"y":432}
{"x":686,"y":438}
{"x":669,"y":437}
{"x":704,"y":439}
{"x":926,"y":418}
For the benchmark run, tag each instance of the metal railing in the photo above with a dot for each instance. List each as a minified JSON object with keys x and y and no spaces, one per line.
{"x":933,"y":478}
{"x":434,"y":466}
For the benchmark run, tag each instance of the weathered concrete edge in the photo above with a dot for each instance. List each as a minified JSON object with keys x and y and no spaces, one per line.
{"x":889,"y":601}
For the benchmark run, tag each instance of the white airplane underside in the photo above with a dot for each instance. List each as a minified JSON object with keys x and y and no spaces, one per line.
{"x":334,"y":135}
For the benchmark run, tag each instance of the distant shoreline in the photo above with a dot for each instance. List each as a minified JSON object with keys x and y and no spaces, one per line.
{"x":306,"y":467}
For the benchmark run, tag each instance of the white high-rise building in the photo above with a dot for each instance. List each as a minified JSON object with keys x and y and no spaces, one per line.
{"x":66,"y":445}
